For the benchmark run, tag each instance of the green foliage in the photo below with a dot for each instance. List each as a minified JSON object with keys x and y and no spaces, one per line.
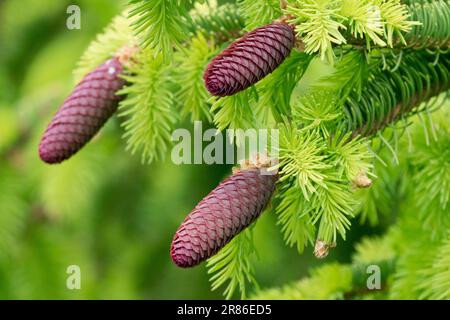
{"x":334,"y":206}
{"x":333,"y":122}
{"x":275,"y":90}
{"x":412,"y":268}
{"x":364,"y":20}
{"x":115,"y":36}
{"x":373,"y":250}
{"x":232,"y":266}
{"x":234,"y":112}
{"x":222,"y":23}
{"x":159,"y":24}
{"x":12,"y":212}
{"x":350,"y":157}
{"x":396,"y":19}
{"x":68,"y":189}
{"x":351,"y":72}
{"x":259,"y":12}
{"x":328,"y":282}
{"x":317,"y":24}
{"x":321,"y":24}
{"x":317,"y":109}
{"x":189,"y":75}
{"x":319,"y":169}
{"x":437,"y":276}
{"x":9,"y":128}
{"x":294,"y":216}
{"x":301,"y":158}
{"x":396,"y":85}
{"x":431,"y":175}
{"x":375,"y":203}
{"x":434,"y":30}
{"x":148,"y":107}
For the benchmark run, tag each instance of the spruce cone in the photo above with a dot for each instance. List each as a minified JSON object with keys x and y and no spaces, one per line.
{"x":249,"y":59}
{"x":83,"y":113}
{"x":221,"y":215}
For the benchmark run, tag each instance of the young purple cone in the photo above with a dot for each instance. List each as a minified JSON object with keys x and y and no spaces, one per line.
{"x":221,"y":215}
{"x":83,"y":113}
{"x":249,"y":59}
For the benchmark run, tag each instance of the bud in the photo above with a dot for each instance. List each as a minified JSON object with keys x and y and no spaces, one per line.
{"x":322,"y":249}
{"x":362,"y":181}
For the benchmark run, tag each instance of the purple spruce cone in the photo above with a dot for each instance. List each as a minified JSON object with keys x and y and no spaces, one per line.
{"x":232,"y":206}
{"x":83,"y":113}
{"x":249,"y":59}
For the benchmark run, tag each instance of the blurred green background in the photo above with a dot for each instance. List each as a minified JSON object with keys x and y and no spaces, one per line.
{"x":103,"y":210}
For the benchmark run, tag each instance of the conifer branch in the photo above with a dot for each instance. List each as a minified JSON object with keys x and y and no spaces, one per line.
{"x":107,"y":45}
{"x":221,"y":23}
{"x":341,"y":281}
{"x":189,"y":76}
{"x":148,"y":106}
{"x":259,"y":12}
{"x":415,"y":80}
{"x":322,"y":26}
{"x":384,"y":72}
{"x":159,"y":24}
{"x":233,"y":267}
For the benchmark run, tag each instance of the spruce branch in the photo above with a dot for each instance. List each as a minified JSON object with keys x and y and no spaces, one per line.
{"x":259,"y":12}
{"x":334,"y":208}
{"x":412,"y":277}
{"x":319,"y":169}
{"x":323,"y":26}
{"x":328,"y":282}
{"x":391,"y":95}
{"x":350,"y":157}
{"x":301,"y":158}
{"x":275,"y":90}
{"x":436,"y":284}
{"x":317,"y":109}
{"x":431,"y":174}
{"x":148,"y":107}
{"x":351,"y":72}
{"x":341,"y":281}
{"x":234,"y":112}
{"x":159,"y":24}
{"x":189,"y":76}
{"x":434,"y":28}
{"x":318,"y":25}
{"x":322,"y":149}
{"x":294,"y":216}
{"x":232,"y":267}
{"x":106,"y":46}
{"x":221,"y":23}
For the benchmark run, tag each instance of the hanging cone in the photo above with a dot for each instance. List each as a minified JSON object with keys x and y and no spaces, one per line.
{"x":83,"y":113}
{"x":231,"y":207}
{"x":249,"y":59}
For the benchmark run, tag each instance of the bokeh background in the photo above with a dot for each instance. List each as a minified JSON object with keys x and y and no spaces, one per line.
{"x":103,"y":210}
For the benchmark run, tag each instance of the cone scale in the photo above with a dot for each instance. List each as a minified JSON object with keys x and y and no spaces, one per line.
{"x":83,"y":113}
{"x":249,"y":59}
{"x":232,"y":206}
